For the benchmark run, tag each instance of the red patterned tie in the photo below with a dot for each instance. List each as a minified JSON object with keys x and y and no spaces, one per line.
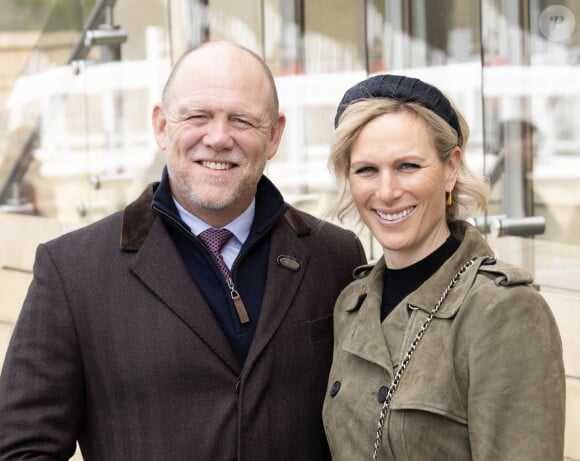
{"x":214,"y":240}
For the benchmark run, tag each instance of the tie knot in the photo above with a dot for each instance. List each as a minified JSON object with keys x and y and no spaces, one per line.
{"x":215,"y":239}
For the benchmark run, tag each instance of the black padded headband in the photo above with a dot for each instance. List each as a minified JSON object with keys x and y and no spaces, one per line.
{"x":406,"y":89}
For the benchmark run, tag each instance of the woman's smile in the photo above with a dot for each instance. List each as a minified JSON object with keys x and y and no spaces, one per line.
{"x":395,"y":216}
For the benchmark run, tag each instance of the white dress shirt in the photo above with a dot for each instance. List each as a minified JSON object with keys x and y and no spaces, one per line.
{"x":239,"y":227}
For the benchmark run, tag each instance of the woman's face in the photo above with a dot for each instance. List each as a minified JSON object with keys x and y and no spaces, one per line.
{"x":398,"y":185}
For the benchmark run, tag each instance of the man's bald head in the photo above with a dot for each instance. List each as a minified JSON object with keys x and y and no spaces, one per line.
{"x":236,"y":48}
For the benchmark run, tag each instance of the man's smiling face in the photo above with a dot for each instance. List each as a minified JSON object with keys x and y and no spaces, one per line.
{"x":218,"y":130}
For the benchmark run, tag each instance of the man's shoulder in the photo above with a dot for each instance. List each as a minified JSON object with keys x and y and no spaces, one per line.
{"x":303,"y":222}
{"x":328,"y":240}
{"x":113,"y":226}
{"x":106,"y":227}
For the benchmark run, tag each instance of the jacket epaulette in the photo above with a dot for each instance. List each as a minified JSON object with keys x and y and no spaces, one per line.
{"x":505,"y":273}
{"x":361,"y":272}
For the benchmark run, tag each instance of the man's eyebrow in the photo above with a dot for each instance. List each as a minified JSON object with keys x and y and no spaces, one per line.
{"x":189,"y":108}
{"x":244,"y":114}
{"x":183,"y":109}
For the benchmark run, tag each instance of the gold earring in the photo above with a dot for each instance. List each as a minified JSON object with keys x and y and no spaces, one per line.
{"x":448,"y":198}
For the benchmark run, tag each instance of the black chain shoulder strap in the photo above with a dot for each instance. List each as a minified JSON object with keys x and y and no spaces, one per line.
{"x":409,"y":354}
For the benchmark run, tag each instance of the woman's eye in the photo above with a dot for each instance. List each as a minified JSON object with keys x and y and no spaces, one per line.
{"x":409,"y":166}
{"x":365,"y":170}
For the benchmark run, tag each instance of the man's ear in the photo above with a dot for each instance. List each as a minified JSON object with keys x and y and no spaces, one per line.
{"x":276,"y":135}
{"x":159,"y":125}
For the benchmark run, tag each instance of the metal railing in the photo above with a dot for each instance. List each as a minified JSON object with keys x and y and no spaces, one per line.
{"x":98,"y":30}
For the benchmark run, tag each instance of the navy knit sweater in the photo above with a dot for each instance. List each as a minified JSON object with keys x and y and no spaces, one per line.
{"x":248,"y":270}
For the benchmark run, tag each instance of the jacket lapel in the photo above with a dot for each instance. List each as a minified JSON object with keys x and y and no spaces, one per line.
{"x":426,"y":296}
{"x":172,"y":284}
{"x":365,"y":337}
{"x":286,"y":266}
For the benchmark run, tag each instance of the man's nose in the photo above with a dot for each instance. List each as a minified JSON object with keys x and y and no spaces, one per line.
{"x":218,"y":134}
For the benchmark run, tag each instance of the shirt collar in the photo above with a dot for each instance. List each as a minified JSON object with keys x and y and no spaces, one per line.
{"x":240,"y":226}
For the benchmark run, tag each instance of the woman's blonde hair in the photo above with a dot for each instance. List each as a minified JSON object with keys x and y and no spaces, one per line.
{"x":469,"y":192}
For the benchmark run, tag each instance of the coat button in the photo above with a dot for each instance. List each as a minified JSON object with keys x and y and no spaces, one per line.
{"x":382,"y":394}
{"x":335,"y":388}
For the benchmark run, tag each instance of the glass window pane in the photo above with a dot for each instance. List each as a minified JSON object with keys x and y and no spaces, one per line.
{"x":319,"y":52}
{"x":532,"y":105}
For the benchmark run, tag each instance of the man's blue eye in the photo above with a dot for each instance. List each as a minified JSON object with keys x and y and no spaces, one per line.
{"x":242,"y":121}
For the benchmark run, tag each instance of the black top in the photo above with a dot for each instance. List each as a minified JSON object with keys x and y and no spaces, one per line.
{"x":398,"y":283}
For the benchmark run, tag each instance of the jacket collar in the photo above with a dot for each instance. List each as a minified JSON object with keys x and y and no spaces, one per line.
{"x":426,"y":296}
{"x":472,"y":244}
{"x":366,"y":338}
{"x":146,"y":236}
{"x":138,"y":216}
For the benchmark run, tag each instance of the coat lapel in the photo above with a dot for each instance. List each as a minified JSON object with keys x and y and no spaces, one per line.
{"x":172,"y":284}
{"x":287,"y":262}
{"x":365,"y":337}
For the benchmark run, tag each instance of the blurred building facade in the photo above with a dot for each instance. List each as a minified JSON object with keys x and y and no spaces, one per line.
{"x":76,"y":98}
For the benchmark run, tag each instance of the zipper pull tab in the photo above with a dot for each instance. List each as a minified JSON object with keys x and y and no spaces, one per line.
{"x":238,"y":303}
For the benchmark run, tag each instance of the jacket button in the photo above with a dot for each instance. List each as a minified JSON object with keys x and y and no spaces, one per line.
{"x":335,"y":388}
{"x":382,"y":394}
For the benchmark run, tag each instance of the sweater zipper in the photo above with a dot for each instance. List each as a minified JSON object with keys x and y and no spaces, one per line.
{"x":235,"y":296}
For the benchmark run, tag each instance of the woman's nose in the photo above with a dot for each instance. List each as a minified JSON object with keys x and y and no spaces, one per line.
{"x":389,"y":187}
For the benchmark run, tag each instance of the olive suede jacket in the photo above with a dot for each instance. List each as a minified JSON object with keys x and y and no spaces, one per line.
{"x":117,"y":348}
{"x":486,"y":382}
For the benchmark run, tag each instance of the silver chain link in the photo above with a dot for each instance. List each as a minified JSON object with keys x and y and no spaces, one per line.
{"x":410,"y":352}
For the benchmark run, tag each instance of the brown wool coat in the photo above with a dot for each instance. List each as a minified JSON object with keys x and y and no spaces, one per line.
{"x":116,"y":347}
{"x":485,"y":383}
